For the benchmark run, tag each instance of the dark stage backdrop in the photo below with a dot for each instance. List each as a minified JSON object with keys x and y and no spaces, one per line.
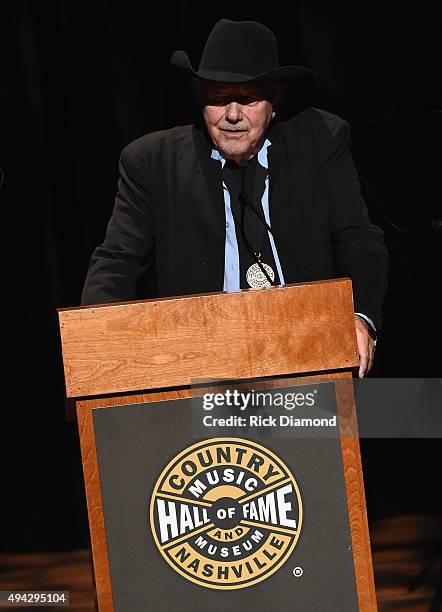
{"x":81,"y":80}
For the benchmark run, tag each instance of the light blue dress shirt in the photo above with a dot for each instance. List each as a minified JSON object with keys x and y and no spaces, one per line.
{"x":231,"y":261}
{"x":231,"y":252}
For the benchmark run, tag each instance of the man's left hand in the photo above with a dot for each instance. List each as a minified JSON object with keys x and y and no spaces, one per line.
{"x":366,"y":346}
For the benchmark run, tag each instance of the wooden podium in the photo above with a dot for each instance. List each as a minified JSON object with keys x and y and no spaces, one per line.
{"x":153,"y":351}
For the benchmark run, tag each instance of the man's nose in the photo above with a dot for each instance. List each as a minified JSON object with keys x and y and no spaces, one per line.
{"x":233,"y":112}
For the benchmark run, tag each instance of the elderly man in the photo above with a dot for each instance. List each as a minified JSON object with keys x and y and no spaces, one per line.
{"x":246,"y":198}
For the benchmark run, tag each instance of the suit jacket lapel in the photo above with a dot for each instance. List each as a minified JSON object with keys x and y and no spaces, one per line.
{"x":288,"y":205}
{"x":209,"y":183}
{"x":279,"y":194}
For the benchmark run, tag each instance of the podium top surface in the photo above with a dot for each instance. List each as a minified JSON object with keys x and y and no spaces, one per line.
{"x":170,"y":342}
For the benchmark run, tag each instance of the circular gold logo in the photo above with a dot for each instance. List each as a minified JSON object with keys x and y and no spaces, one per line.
{"x":226,"y":513}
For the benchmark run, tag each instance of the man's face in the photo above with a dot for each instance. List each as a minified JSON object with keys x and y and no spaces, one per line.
{"x":237,"y":116}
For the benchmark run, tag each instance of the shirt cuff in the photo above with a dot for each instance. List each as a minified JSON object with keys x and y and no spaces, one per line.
{"x":369,"y":321}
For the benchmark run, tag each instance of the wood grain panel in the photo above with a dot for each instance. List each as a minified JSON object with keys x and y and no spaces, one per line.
{"x":95,"y":508}
{"x":354,"y":486}
{"x":171,"y":342}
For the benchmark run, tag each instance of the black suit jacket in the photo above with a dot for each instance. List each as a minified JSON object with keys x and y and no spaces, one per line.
{"x":167,"y":231}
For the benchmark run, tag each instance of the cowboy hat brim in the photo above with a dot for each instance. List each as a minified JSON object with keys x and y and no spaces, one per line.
{"x":285,"y":73}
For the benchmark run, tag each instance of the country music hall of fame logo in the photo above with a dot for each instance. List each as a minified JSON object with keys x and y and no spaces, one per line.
{"x":226,"y":513}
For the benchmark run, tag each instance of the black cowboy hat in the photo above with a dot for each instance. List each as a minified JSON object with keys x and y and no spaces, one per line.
{"x":240,"y":52}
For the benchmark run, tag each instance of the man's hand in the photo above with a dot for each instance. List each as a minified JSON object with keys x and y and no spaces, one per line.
{"x":366,"y":346}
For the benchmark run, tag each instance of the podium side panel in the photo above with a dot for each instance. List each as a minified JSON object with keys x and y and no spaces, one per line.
{"x":354,"y":484}
{"x":95,"y":508}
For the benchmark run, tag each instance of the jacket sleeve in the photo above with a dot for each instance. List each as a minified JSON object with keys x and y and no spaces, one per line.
{"x":359,"y":248}
{"x":127,"y":250}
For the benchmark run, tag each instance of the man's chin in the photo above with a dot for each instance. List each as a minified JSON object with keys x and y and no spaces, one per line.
{"x":233,"y":150}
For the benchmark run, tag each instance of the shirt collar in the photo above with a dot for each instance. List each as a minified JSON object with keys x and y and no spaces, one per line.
{"x":262,"y":155}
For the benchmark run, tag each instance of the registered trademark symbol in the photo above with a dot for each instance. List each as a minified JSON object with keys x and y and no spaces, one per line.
{"x":297,"y":572}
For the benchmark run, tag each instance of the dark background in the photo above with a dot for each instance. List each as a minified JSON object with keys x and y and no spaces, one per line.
{"x":80,"y":81}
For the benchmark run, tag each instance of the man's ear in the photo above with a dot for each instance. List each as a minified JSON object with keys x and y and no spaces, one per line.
{"x":273,"y":114}
{"x":277,"y":94}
